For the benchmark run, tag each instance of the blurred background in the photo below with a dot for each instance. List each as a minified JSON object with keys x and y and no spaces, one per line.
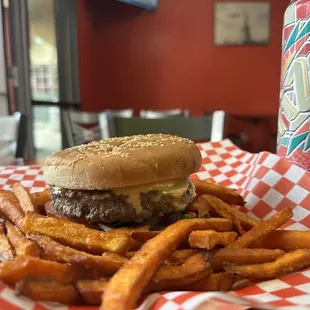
{"x":81,"y":70}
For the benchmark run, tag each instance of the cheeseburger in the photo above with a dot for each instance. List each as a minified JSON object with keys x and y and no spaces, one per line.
{"x":123,"y":179}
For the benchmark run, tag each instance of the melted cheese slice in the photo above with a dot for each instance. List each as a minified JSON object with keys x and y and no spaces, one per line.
{"x":176,"y":188}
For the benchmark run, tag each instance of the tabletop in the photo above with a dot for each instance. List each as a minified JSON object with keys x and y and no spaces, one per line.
{"x":9,"y":161}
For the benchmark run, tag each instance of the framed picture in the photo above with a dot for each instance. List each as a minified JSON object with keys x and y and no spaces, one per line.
{"x":242,"y":23}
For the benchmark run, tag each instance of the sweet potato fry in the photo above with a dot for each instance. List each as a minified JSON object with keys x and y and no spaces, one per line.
{"x":129,"y":230}
{"x":6,"y":250}
{"x":222,"y":209}
{"x":47,"y":289}
{"x":91,"y":290}
{"x":198,"y":262}
{"x":214,"y":282}
{"x":142,"y":236}
{"x":10,"y":208}
{"x":195,"y":268}
{"x":130,"y":254}
{"x":75,"y":235}
{"x":24,"y":198}
{"x":287,"y":240}
{"x":45,"y":256}
{"x":179,"y":256}
{"x":226,"y":194}
{"x":209,"y":239}
{"x":237,"y":224}
{"x":21,"y":244}
{"x":176,"y":258}
{"x":262,"y":229}
{"x":108,"y":263}
{"x":125,"y":287}
{"x":175,"y":284}
{"x":201,"y":207}
{"x":289,"y":262}
{"x":134,"y":244}
{"x":40,"y":199}
{"x":243,"y":256}
{"x":15,"y":270}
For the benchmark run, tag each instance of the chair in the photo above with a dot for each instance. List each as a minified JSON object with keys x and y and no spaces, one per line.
{"x":83,"y":127}
{"x":218,"y":124}
{"x":80,"y":127}
{"x":120,"y":113}
{"x":13,"y":135}
{"x":196,"y":128}
{"x":164,"y":113}
{"x":249,"y":132}
{"x":106,"y":117}
{"x":252,"y":133}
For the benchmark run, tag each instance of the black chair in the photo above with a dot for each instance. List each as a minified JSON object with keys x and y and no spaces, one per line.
{"x":13,"y":135}
{"x":196,"y":128}
{"x":22,"y":136}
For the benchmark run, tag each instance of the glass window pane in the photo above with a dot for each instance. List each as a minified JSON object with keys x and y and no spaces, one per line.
{"x":47,"y":133}
{"x":44,"y":76}
{"x":43,"y":53}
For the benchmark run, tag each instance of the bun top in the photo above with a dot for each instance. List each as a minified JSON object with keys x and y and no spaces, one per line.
{"x":122,"y":162}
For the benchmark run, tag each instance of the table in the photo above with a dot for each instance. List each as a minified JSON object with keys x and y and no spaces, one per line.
{"x":31,"y":162}
{"x":9,"y":161}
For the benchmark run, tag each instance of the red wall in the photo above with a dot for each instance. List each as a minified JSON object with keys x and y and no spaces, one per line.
{"x":132,"y":58}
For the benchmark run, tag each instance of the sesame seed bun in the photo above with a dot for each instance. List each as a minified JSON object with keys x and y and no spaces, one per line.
{"x":122,"y":162}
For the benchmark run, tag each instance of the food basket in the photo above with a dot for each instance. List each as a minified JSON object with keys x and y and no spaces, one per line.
{"x":267,"y":182}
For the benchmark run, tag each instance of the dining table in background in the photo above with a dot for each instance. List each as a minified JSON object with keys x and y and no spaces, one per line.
{"x":6,"y":161}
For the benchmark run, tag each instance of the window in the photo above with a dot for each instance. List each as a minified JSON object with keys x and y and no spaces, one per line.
{"x":44,"y":76}
{"x":44,"y":82}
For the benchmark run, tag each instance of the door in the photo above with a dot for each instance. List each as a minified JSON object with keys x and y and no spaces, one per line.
{"x":43,"y":68}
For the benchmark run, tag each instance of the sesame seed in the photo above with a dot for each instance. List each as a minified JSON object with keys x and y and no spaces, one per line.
{"x":122,"y":146}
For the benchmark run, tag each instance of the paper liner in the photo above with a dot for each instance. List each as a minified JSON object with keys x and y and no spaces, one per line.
{"x":268,"y":183}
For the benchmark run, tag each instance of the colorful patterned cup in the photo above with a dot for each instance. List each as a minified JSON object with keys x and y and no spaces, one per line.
{"x":294,"y":113}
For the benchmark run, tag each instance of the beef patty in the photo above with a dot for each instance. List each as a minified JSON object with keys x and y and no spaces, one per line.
{"x":107,"y":207}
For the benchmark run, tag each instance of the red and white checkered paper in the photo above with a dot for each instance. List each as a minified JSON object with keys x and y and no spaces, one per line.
{"x":268,"y":183}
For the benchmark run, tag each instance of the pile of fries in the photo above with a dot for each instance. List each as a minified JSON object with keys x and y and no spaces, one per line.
{"x":53,"y":259}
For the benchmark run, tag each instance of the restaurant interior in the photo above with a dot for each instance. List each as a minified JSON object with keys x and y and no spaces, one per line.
{"x":75,"y":71}
{"x":154,"y":154}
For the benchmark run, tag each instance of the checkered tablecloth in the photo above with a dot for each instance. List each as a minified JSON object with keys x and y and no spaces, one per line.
{"x":268,"y":183}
